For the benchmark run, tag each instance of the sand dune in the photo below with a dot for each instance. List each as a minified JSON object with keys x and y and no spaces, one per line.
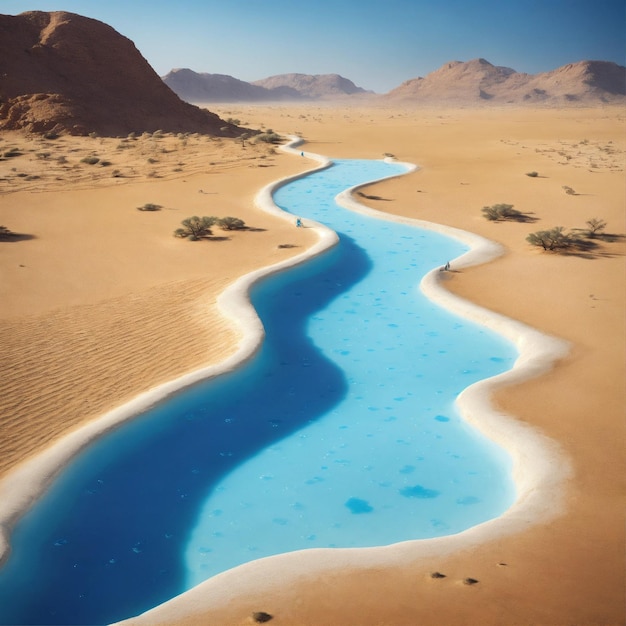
{"x":98,"y":303}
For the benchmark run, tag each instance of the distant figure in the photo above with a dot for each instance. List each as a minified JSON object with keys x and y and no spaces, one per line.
{"x":302,"y":154}
{"x":447,"y":267}
{"x":298,"y":222}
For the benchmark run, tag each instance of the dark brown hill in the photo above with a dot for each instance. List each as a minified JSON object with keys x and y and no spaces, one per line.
{"x":478,"y":81}
{"x":61,"y":72}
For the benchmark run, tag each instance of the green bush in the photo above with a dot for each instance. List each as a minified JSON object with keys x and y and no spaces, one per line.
{"x":268,"y":138}
{"x":90,"y":160}
{"x":554,"y":239}
{"x":195,"y":228}
{"x":231,"y":223}
{"x":149,"y":207}
{"x":499,"y":212}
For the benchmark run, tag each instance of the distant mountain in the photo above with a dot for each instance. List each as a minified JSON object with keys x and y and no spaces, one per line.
{"x":315,"y":87}
{"x":201,"y":87}
{"x":476,"y":81}
{"x":62,"y":72}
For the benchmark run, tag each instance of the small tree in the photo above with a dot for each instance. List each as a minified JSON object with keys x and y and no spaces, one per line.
{"x":554,"y":239}
{"x":595,"y":226}
{"x":231,"y":223}
{"x":195,"y":227}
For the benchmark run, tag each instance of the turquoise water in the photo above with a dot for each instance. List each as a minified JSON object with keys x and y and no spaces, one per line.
{"x":341,"y":432}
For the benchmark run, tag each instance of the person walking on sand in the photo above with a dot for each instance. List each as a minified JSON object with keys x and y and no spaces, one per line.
{"x":298,"y":222}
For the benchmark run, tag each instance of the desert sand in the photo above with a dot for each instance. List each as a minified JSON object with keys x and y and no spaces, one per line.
{"x":99,"y":301}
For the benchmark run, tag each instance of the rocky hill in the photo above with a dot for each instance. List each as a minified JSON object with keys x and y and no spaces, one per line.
{"x":315,"y":87}
{"x":478,"y":81}
{"x":62,"y":72}
{"x":202,"y":87}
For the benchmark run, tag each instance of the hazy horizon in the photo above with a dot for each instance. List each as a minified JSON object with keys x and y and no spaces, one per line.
{"x":377,"y":47}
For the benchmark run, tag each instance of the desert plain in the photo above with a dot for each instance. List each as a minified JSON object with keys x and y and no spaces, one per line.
{"x":100,"y":303}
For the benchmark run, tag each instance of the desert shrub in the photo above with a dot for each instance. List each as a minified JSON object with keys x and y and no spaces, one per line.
{"x":594,"y":226}
{"x":233,"y":120}
{"x":149,"y":206}
{"x":554,"y":239}
{"x":43,"y":155}
{"x":268,"y":138}
{"x":569,"y":190}
{"x":532,"y":174}
{"x":231,"y":223}
{"x":195,"y":228}
{"x":105,"y":163}
{"x":6,"y":233}
{"x":90,"y":160}
{"x":498,"y":212}
{"x":12,"y":152}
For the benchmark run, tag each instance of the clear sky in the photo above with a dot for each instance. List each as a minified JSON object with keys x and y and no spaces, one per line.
{"x":378,"y":44}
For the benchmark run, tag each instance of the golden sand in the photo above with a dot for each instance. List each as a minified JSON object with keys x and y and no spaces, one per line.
{"x":99,"y":303}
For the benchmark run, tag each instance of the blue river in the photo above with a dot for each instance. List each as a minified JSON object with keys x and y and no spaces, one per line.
{"x":341,"y":432}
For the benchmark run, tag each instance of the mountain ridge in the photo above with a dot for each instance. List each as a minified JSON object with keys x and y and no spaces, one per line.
{"x":65,"y":73}
{"x":462,"y":82}
{"x":478,"y":80}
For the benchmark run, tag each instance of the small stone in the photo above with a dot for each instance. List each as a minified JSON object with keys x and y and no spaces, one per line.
{"x":437,"y":575}
{"x":470,"y":581}
{"x":260,"y":617}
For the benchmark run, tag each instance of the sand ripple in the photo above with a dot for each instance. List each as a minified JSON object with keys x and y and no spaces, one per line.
{"x":75,"y":363}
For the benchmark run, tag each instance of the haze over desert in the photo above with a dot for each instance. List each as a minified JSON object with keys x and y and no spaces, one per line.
{"x":99,"y":301}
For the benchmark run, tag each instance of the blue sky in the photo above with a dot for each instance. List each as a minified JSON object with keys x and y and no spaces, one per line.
{"x":376,"y":44}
